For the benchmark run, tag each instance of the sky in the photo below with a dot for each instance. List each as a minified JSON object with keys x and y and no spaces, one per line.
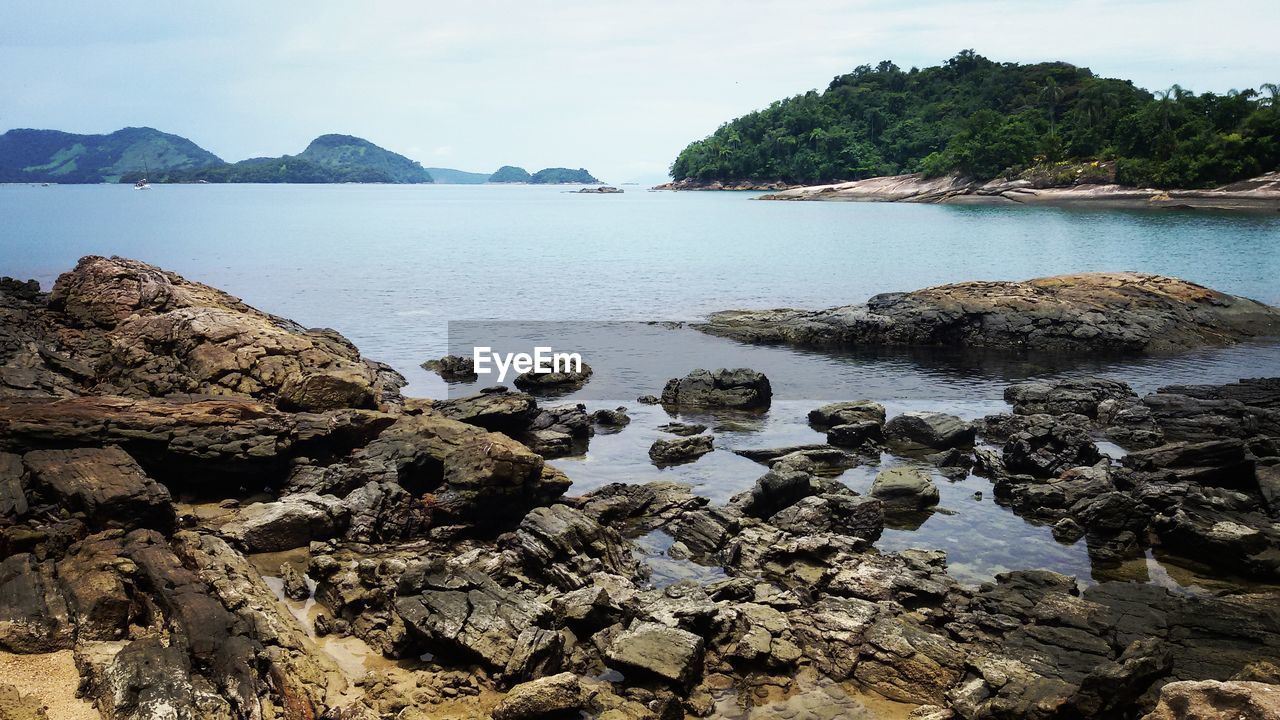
{"x":616,"y":87}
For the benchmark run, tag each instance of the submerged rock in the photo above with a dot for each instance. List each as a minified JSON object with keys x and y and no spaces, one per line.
{"x":847,"y":413}
{"x":905,"y":489}
{"x":933,"y":430}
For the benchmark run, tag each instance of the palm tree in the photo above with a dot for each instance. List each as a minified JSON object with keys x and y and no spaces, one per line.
{"x":1272,"y":98}
{"x":1052,"y":94}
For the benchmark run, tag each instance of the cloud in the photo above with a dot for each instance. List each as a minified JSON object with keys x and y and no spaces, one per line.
{"x":618,"y":88}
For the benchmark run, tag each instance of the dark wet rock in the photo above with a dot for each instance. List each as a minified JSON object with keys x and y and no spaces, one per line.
{"x":1058,"y":497}
{"x":706,"y":531}
{"x":145,"y":678}
{"x":666,"y":652}
{"x":823,"y":459}
{"x":680,"y":450}
{"x":1217,"y":700}
{"x":537,"y":382}
{"x":847,"y":513}
{"x":564,"y":547}
{"x":1268,"y":477}
{"x":293,"y":521}
{"x":469,"y":612}
{"x":938,"y":431}
{"x":1199,"y":527}
{"x":855,"y":435}
{"x":1258,"y":392}
{"x":615,"y":418}
{"x":1193,"y":419}
{"x":740,"y":388}
{"x":1072,"y":396}
{"x":105,"y":484}
{"x":1111,"y":512}
{"x":149,"y":332}
{"x":648,"y":400}
{"x":685,"y":429}
{"x":904,"y":489}
{"x":508,"y":412}
{"x":1087,"y":312}
{"x":550,"y":696}
{"x":847,"y":413}
{"x":1224,"y":463}
{"x":1047,"y":445}
{"x":13,"y":487}
{"x":653,"y":502}
{"x":453,"y":368}
{"x":558,"y":431}
{"x":33,"y":611}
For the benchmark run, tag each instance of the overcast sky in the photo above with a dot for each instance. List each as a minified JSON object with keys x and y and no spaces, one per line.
{"x":617,"y":87}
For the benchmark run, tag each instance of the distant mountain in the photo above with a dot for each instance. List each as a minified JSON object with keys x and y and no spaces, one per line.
{"x":510,"y":174}
{"x":61,"y":157}
{"x":449,"y":176}
{"x":328,"y":159}
{"x":558,"y":176}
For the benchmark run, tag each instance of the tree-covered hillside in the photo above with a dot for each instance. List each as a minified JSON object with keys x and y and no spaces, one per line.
{"x":328,"y":159}
{"x":54,"y":156}
{"x":510,"y":174}
{"x":984,"y":119}
{"x":555,"y":176}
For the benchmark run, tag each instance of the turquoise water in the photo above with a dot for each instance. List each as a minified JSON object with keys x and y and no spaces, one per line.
{"x":390,"y":266}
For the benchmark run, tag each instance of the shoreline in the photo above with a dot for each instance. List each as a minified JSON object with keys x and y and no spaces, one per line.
{"x":1261,"y":194}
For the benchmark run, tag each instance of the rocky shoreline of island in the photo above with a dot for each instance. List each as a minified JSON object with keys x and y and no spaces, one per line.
{"x":163,"y":446}
{"x":1261,"y":194}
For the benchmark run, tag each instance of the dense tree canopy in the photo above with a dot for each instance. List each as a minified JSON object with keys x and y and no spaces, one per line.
{"x":984,"y":119}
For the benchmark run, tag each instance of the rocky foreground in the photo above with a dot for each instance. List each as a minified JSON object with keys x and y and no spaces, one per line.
{"x":435,"y":534}
{"x":1258,"y":194}
{"x":1094,"y":313}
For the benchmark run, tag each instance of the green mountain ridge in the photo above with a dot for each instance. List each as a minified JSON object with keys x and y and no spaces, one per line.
{"x":977,"y":118}
{"x":129,"y":154}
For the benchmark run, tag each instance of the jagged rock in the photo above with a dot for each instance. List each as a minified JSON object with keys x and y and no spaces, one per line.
{"x":1268,"y":477}
{"x":822,"y":459}
{"x":548,"y":696}
{"x":558,"y":431}
{"x":453,"y":368}
{"x":847,"y":413}
{"x":1072,"y":396}
{"x":294,"y":582}
{"x":678,"y":428}
{"x":739,"y":388}
{"x":13,"y":482}
{"x":33,"y":612}
{"x":667,"y":652}
{"x":847,"y":513}
{"x":151,"y":332}
{"x":654,"y":501}
{"x":1047,"y":445}
{"x":831,"y":632}
{"x":648,"y":400}
{"x":564,"y":546}
{"x":938,"y":431}
{"x":468,"y":611}
{"x":906,"y":662}
{"x":508,"y":412}
{"x":103,"y":483}
{"x":680,"y":450}
{"x":557,"y":381}
{"x":904,"y":489}
{"x":146,"y":679}
{"x":292,"y":521}
{"x":1086,"y":312}
{"x":615,"y":418}
{"x":1216,"y":700}
{"x":1199,"y":419}
{"x":855,"y":435}
{"x":1056,"y":497}
{"x":1222,"y":463}
{"x":383,"y":512}
{"x":1199,"y":526}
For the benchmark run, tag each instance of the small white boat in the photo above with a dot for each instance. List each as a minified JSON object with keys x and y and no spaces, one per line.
{"x":142,"y":185}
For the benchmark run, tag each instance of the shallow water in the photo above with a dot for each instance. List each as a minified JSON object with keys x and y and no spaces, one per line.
{"x":392,"y":266}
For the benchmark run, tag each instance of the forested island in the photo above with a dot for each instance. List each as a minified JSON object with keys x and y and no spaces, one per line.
{"x":130,"y":154}
{"x":982,"y":119}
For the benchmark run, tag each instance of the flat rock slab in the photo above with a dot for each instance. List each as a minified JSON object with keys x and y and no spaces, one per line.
{"x":1111,"y":313}
{"x":668,"y":652}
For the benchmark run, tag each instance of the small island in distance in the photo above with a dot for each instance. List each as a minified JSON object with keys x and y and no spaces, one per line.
{"x":129,"y":154}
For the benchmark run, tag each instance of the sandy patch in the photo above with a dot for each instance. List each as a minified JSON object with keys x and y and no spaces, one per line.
{"x":48,"y":680}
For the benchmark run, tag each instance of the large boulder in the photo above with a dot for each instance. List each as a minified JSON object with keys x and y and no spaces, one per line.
{"x":1074,"y":396}
{"x":559,"y":381}
{"x":905,"y":489}
{"x":103,"y":483}
{"x":1217,"y":700}
{"x":846,"y":413}
{"x":565,"y":547}
{"x":293,"y":521}
{"x":552,"y":696}
{"x":669,"y":653}
{"x":1046,"y":445}
{"x":508,"y":412}
{"x":740,"y":388}
{"x":152,"y":332}
{"x":34,"y":615}
{"x":932,"y":430}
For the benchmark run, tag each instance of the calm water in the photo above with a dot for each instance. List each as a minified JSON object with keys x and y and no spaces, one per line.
{"x":391,"y":266}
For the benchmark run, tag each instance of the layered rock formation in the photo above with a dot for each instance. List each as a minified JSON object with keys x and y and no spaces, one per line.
{"x":1102,"y":313}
